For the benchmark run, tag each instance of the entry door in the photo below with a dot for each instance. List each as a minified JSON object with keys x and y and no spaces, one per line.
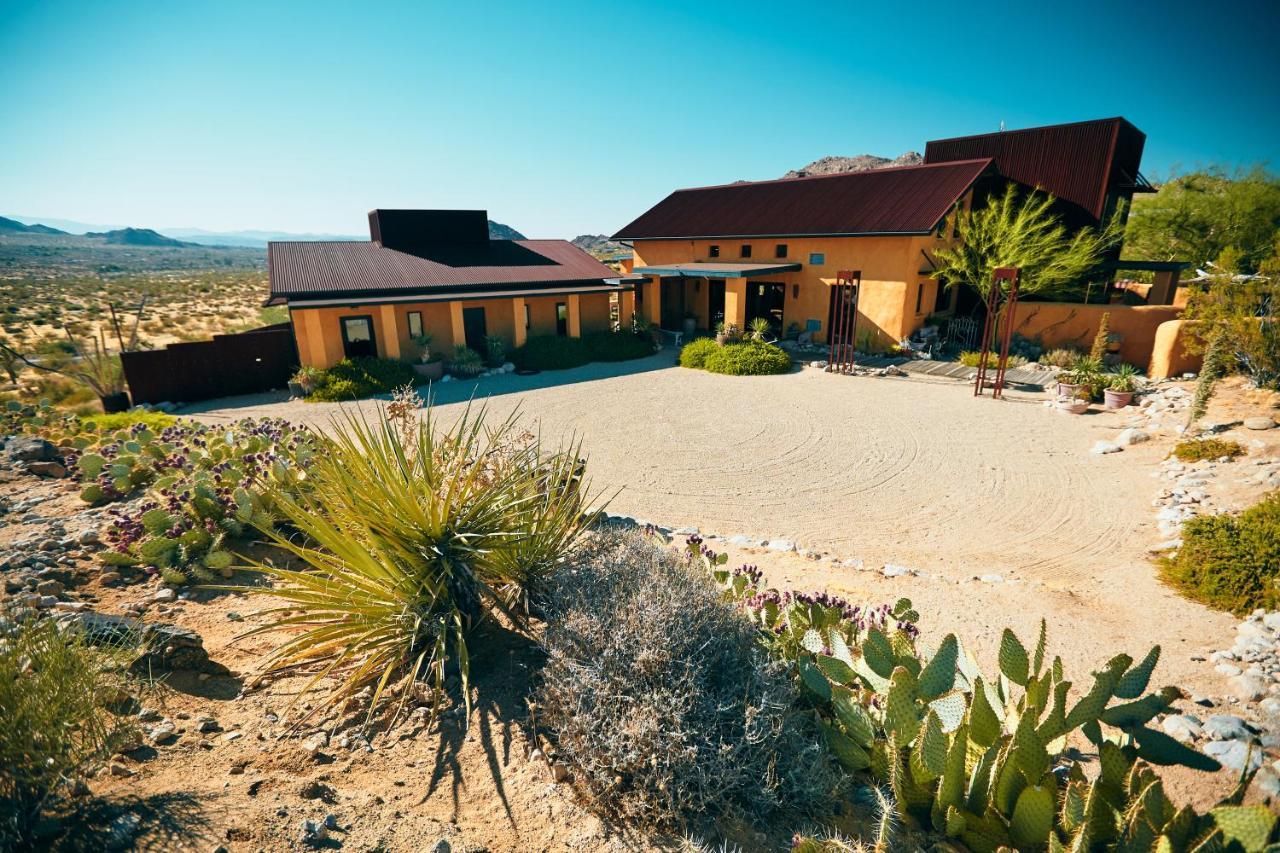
{"x":673,"y":304}
{"x":474,"y":328}
{"x":715,"y":303}
{"x":357,"y":337}
{"x":765,"y":299}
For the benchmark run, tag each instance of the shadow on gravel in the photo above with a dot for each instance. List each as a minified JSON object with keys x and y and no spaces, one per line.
{"x":167,"y":821}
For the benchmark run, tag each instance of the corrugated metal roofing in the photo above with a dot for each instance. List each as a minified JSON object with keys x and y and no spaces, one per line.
{"x":904,"y":200}
{"x":1077,"y":162}
{"x":357,"y":268}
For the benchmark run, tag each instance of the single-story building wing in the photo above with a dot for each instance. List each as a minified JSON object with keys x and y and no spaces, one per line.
{"x":438,"y":272}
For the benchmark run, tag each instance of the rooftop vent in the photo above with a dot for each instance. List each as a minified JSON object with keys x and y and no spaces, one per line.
{"x":413,"y":230}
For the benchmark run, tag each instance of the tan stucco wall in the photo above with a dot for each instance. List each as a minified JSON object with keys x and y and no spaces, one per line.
{"x":890,"y":269}
{"x":319,"y":333}
{"x":1065,"y":323}
{"x":1169,"y":356}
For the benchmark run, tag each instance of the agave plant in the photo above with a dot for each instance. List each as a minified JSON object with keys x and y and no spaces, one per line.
{"x":760,"y":329}
{"x":409,"y":538}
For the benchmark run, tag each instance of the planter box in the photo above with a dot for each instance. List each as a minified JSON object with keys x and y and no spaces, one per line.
{"x":113,"y":403}
{"x":431,"y":370}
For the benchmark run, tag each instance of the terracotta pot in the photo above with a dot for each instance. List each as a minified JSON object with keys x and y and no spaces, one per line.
{"x":1117,"y":399}
{"x":431,"y":370}
{"x":112,"y":403}
{"x":1068,"y":391}
{"x":1075,"y":407}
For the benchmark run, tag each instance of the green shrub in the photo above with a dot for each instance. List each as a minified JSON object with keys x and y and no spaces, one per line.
{"x":154,"y":421}
{"x":408,"y":535}
{"x":616,"y":346}
{"x":53,"y":727}
{"x":353,"y":378}
{"x":694,"y":354}
{"x":749,"y":358}
{"x":1199,"y":449}
{"x":661,"y":699}
{"x":1231,"y":562}
{"x":554,"y":352}
{"x":1061,"y":357}
{"x":971,"y":358}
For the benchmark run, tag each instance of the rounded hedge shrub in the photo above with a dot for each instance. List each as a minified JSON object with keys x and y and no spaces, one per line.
{"x":694,"y":354}
{"x":661,"y":698}
{"x":749,"y":358}
{"x":1231,"y":562}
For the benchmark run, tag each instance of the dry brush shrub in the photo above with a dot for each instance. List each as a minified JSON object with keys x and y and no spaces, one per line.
{"x":1231,"y":562}
{"x":53,"y":723}
{"x":660,"y":695}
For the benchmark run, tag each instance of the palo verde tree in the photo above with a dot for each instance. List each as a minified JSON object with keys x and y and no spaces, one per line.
{"x":1020,"y":229}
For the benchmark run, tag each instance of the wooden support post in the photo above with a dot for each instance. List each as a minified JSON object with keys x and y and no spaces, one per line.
{"x":735,"y":303}
{"x":455,"y":321}
{"x":388,"y":333}
{"x":575,"y":315}
{"x":519,"y":332}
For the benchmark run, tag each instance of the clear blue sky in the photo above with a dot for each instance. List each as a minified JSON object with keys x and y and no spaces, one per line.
{"x":567,"y":118}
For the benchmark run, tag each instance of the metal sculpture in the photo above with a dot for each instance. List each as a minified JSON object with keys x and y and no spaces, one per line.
{"x":844,"y":321}
{"x":993,"y":327}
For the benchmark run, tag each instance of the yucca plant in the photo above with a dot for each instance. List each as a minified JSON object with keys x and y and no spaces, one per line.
{"x":760,"y":329}
{"x":410,"y":536}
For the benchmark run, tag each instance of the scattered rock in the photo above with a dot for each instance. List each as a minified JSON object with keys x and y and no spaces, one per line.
{"x":1234,"y":753}
{"x":1105,"y":447}
{"x":1226,"y":727}
{"x":24,"y":448}
{"x":165,"y":594}
{"x":315,"y":743}
{"x":1264,"y":422}
{"x":780,"y":545}
{"x":165,"y":647}
{"x":54,"y":470}
{"x":1183,"y":727}
{"x":1131,"y":436}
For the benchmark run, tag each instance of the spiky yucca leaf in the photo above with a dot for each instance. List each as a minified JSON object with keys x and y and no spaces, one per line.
{"x":409,"y":537}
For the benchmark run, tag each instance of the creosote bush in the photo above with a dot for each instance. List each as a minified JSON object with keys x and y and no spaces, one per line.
{"x":53,"y":726}
{"x":661,"y":698}
{"x":1200,"y":449}
{"x":1231,"y":562}
{"x":971,"y":358}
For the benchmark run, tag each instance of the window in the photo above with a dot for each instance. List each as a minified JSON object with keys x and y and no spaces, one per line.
{"x":357,"y":337}
{"x":745,"y":251}
{"x":528,"y":318}
{"x":562,"y":319}
{"x":415,"y":324}
{"x":713,"y":251}
{"x":780,"y":250}
{"x":817,"y":259}
{"x":919,"y":297}
{"x":942,"y":300}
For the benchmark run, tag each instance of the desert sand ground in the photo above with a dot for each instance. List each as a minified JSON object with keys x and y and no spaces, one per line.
{"x":997,"y":507}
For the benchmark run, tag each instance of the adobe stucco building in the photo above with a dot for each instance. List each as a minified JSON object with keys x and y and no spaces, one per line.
{"x":775,"y":249}
{"x":438,"y":272}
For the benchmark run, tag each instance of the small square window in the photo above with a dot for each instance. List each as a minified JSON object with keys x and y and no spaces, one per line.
{"x":745,"y":251}
{"x":713,"y":251}
{"x":415,"y":324}
{"x":817,"y":259}
{"x":780,"y":250}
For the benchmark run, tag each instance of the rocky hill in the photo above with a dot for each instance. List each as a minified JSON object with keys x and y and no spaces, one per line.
{"x":14,"y":226}
{"x":834,"y":165}
{"x":598,"y":244}
{"x":498,"y":231}
{"x":137,"y":237}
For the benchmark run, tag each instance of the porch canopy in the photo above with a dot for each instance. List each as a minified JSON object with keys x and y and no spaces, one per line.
{"x":701,"y":269}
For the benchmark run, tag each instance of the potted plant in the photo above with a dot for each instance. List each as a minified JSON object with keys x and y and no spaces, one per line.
{"x":1085,"y":373}
{"x":465,"y":363}
{"x":430,"y":365}
{"x":1078,"y":403}
{"x":304,"y":381}
{"x":496,"y":348}
{"x":1121,"y":383}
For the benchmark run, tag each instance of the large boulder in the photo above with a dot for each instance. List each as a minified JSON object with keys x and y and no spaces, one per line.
{"x":164,"y":647}
{"x":29,"y":448}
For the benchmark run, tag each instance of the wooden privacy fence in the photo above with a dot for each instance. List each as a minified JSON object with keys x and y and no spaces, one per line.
{"x":244,"y":363}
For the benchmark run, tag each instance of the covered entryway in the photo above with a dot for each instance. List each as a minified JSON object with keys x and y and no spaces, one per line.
{"x":766,"y":299}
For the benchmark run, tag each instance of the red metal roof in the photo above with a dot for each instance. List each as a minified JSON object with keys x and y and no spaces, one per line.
{"x":1078,"y":162}
{"x":903,"y":200}
{"x":314,"y":269}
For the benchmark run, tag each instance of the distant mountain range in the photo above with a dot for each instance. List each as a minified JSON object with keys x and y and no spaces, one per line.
{"x":833,"y":165}
{"x":177,"y":237}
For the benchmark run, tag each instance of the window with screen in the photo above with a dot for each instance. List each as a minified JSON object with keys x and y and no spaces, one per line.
{"x":415,"y":324}
{"x":745,"y":251}
{"x":713,"y":251}
{"x":780,"y":250}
